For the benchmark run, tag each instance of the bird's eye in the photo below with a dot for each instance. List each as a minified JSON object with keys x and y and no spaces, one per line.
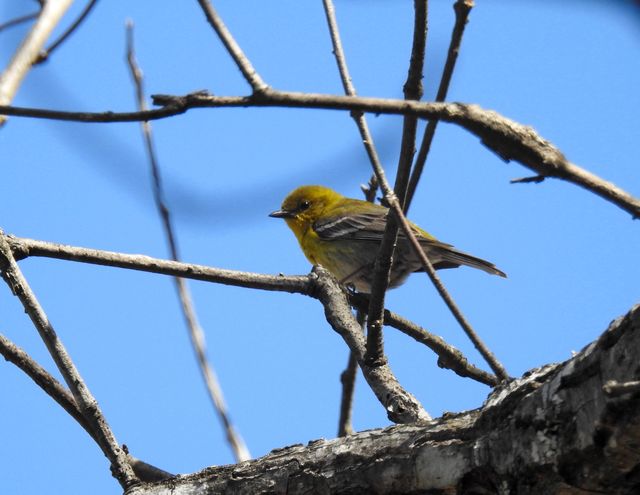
{"x":304,"y":205}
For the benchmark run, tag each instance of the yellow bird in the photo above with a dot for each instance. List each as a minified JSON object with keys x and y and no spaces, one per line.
{"x":344,"y":234}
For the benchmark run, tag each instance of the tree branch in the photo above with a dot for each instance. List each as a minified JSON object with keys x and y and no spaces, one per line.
{"x":448,"y":356}
{"x":28,"y":51}
{"x":54,"y":389}
{"x":401,"y":406}
{"x":194,"y":329}
{"x":87,"y":404}
{"x":19,"y":20}
{"x":299,"y":284}
{"x":24,"y":248}
{"x":348,"y":382}
{"x":552,"y":431}
{"x":508,"y":139}
{"x":614,"y":389}
{"x":243,"y":63}
{"x":45,"y":54}
{"x":462,"y":9}
{"x":384,"y":259}
{"x":348,"y":376}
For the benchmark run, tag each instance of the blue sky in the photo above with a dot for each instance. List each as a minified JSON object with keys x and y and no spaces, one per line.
{"x":569,"y":69}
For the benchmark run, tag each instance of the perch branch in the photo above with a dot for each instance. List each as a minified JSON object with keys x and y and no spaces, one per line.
{"x":401,"y":406}
{"x":375,"y":353}
{"x":299,"y":284}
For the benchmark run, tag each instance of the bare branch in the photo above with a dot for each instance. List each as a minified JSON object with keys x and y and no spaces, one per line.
{"x":462,"y":9}
{"x":448,"y":356}
{"x":375,"y":354}
{"x":196,"y":334}
{"x":350,"y":90}
{"x":24,"y":248}
{"x":489,"y":357}
{"x":54,"y":389}
{"x":299,"y":284}
{"x":348,"y":382}
{"x":401,"y":406}
{"x":87,"y":404}
{"x":553,"y":431}
{"x":510,"y":140}
{"x":383,"y":264}
{"x":537,"y":179}
{"x":29,"y":50}
{"x":349,"y":375}
{"x":19,"y":20}
{"x":243,"y":63}
{"x":45,"y":54}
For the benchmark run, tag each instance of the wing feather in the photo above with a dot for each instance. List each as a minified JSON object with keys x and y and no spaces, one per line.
{"x":360,"y":226}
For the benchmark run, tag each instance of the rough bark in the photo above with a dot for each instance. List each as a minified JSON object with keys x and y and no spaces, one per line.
{"x":557,"y":429}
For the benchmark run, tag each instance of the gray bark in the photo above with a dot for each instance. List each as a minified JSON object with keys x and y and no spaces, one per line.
{"x":556,"y":430}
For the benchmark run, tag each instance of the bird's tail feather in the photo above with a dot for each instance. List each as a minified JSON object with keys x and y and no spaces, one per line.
{"x":445,"y":256}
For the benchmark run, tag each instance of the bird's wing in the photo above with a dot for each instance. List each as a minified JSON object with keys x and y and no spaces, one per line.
{"x":369,"y":226}
{"x":365,"y":226}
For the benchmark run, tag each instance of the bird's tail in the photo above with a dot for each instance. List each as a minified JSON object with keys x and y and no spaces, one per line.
{"x":446,"y":256}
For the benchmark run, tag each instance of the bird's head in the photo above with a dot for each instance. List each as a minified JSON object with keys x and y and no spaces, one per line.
{"x":303,"y":206}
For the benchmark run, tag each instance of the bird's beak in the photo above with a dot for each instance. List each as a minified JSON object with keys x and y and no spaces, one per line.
{"x":282,"y":214}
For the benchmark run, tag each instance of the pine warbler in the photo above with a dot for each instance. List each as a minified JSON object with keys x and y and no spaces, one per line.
{"x":344,"y":235}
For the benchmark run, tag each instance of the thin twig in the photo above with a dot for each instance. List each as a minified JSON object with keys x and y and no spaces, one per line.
{"x":300,"y":284}
{"x":350,"y":90}
{"x":488,"y":356}
{"x":54,"y":389}
{"x":29,"y":50}
{"x":396,"y":203}
{"x":196,"y":334}
{"x":536,"y":179}
{"x":349,"y":375}
{"x":87,"y":404}
{"x":384,"y":259}
{"x":18,"y":20}
{"x":348,"y":382}
{"x":243,"y":63}
{"x":45,"y":54}
{"x":462,"y":9}
{"x":448,"y":356}
{"x":508,"y":139}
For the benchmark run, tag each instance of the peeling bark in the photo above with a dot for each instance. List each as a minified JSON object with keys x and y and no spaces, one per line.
{"x":553,"y":431}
